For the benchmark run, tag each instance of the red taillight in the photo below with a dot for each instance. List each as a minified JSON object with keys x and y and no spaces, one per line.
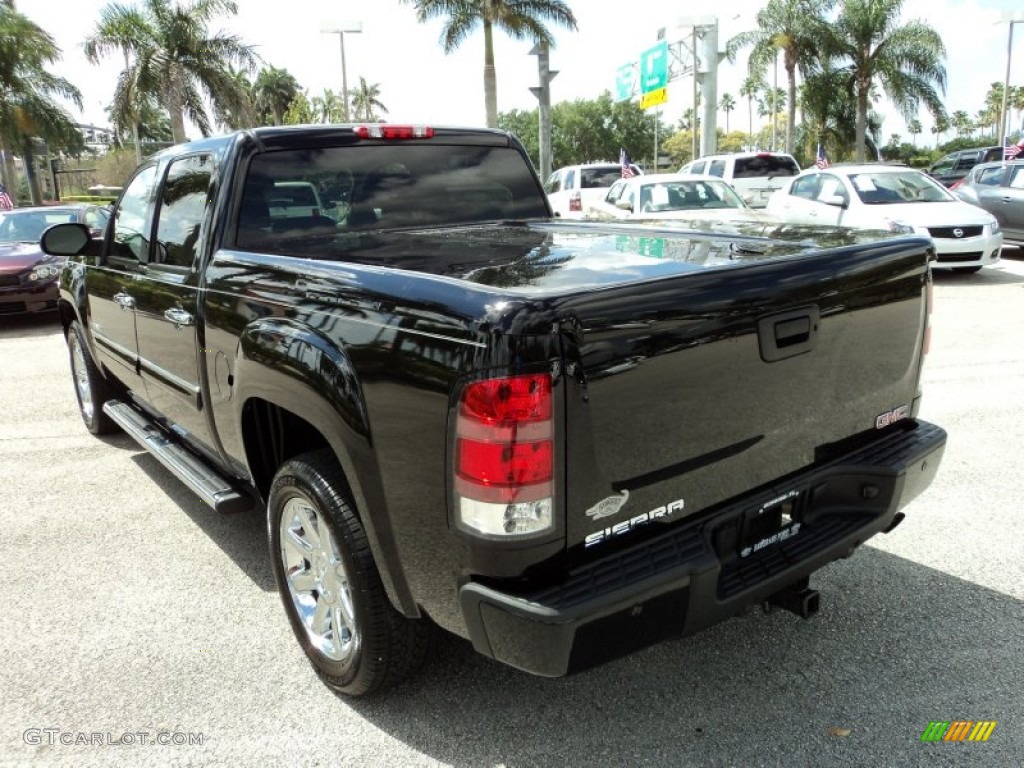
{"x":388,"y":131}
{"x":504,"y":448}
{"x":515,"y":399}
{"x":504,"y":464}
{"x":575,"y":202}
{"x":957,"y":183}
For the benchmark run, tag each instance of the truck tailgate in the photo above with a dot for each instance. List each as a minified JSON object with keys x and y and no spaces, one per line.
{"x":693,"y":389}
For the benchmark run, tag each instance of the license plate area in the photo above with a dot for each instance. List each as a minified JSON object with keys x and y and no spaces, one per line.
{"x":761,"y":527}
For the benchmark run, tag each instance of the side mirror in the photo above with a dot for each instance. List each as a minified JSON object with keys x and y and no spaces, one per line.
{"x":65,"y":239}
{"x":836,"y":200}
{"x":625,"y":205}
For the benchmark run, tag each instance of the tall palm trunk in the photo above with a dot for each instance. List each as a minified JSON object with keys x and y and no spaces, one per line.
{"x":862,"y":119}
{"x":790,"y":62}
{"x":28,"y":156}
{"x":10,"y":171}
{"x":176,"y":109}
{"x":490,"y":77}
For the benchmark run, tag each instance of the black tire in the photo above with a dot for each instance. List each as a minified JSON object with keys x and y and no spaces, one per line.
{"x":91,"y":390}
{"x":381,"y":647}
{"x":966,"y":270}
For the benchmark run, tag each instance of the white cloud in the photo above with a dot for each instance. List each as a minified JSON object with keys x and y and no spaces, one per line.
{"x":419,"y":83}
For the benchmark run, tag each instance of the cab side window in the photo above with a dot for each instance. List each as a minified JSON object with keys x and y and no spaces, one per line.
{"x":717,"y":168}
{"x":698,"y":168}
{"x":629,"y":196}
{"x":131,"y":237}
{"x":966,"y":161}
{"x":183,"y":203}
{"x":614,"y":192}
{"x":990,"y":177}
{"x":806,"y":187}
{"x":831,"y":186}
{"x":554,"y":182}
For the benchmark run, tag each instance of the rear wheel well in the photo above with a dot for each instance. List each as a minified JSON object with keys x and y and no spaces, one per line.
{"x":271,"y":436}
{"x":66,"y":314}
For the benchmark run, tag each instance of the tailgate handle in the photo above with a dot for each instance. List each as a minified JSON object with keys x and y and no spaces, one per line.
{"x":792,"y":331}
{"x":788,"y":334}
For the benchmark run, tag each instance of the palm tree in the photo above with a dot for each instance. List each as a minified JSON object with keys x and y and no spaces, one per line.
{"x":793,"y":27}
{"x":327,"y":108}
{"x":905,"y":60}
{"x":986,"y":118}
{"x":727,"y":104}
{"x":153,"y":124}
{"x":175,"y":58}
{"x":300,"y":111}
{"x":366,"y":102}
{"x":914,"y":128}
{"x":993,"y":108}
{"x":241,"y":113}
{"x":275,"y":90}
{"x":520,"y":19}
{"x":774,"y":102}
{"x":751,"y":88}
{"x":961,"y":122}
{"x":28,"y":108}
{"x":941,"y":126}
{"x":1016,"y":97}
{"x":825,"y":108}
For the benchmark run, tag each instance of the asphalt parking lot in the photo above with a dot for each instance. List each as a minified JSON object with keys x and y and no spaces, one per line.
{"x":130,"y":614}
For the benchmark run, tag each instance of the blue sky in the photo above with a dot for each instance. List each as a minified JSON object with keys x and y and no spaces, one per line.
{"x":419,"y":83}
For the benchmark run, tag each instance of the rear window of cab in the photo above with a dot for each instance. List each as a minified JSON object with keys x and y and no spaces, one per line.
{"x":605,"y":176}
{"x":764,"y":165}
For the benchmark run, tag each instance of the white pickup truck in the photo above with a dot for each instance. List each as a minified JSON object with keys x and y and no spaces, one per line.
{"x":571,"y":189}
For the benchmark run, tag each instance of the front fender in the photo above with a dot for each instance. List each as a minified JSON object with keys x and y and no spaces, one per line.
{"x":302,"y":371}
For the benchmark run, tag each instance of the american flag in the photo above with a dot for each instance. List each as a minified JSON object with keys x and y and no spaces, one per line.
{"x":1010,"y":151}
{"x":6,"y":204}
{"x":627,"y":164}
{"x":821,"y":161}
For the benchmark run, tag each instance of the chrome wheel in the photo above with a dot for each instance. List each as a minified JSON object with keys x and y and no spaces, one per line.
{"x":80,"y":373}
{"x":318,"y":584}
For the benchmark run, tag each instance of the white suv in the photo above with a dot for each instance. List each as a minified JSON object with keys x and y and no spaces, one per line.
{"x":572,"y":188}
{"x":755,"y":175}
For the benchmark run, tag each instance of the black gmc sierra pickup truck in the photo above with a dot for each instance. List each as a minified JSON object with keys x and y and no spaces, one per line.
{"x":561,"y":441}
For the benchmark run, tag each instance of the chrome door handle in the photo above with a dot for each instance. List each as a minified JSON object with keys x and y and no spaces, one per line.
{"x":179,"y":317}
{"x":124,"y":301}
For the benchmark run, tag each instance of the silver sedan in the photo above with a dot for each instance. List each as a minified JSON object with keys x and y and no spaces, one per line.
{"x":999,"y":189}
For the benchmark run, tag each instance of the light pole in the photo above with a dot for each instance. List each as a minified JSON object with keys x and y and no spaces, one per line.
{"x":351,"y":27}
{"x":1006,"y":82}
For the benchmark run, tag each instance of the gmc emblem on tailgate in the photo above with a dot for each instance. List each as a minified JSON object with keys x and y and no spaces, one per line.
{"x":891,"y":417}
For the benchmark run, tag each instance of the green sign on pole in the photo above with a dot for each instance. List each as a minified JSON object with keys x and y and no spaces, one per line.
{"x":625,"y":82}
{"x":654,"y":68}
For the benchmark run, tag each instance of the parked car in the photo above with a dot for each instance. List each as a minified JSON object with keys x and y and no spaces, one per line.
{"x":754,"y":175}
{"x":569,"y":189}
{"x":951,"y":168}
{"x":28,"y":277}
{"x":897,"y":199}
{"x":676,"y":196}
{"x":999,"y":189}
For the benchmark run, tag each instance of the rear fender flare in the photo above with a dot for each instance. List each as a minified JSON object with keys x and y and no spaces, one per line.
{"x":301,"y":371}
